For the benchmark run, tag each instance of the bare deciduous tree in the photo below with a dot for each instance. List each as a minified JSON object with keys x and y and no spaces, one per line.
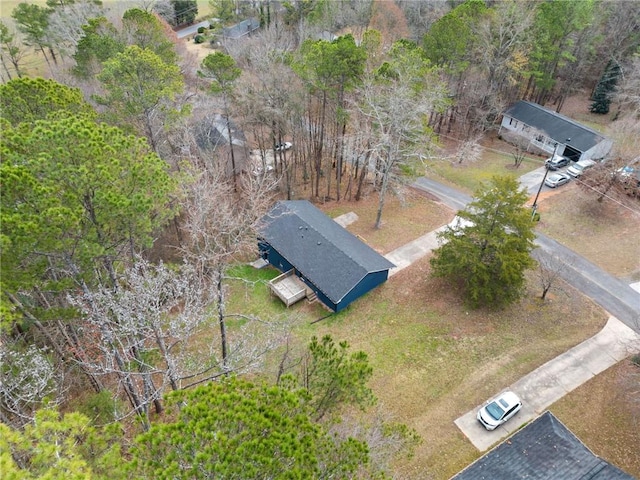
{"x":387,"y":440}
{"x":221,"y":227}
{"x":27,"y":377}
{"x":151,"y":316}
{"x":518,"y":157}
{"x":64,"y":28}
{"x":397,"y":104}
{"x":550,"y":269}
{"x":469,"y":151}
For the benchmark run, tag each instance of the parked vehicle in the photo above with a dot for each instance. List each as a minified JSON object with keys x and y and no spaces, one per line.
{"x":557,"y":179}
{"x":626,"y":171}
{"x":579,"y":167}
{"x":629,"y":178}
{"x":283,"y":146}
{"x":499,"y":410}
{"x":557,"y":162}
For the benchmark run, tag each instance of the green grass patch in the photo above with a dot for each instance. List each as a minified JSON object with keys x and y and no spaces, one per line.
{"x":470,"y":176}
{"x":249,"y":291}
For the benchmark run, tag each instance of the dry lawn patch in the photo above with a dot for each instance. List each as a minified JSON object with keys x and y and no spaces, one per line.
{"x":605,"y":232}
{"x":433,"y":358}
{"x":604,"y":415}
{"x":404,"y":218}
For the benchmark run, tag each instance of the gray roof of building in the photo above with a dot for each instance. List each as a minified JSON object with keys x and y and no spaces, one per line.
{"x":543,"y":450}
{"x":326,"y":254}
{"x":212,"y":132}
{"x":240,"y":29}
{"x":554,"y":125}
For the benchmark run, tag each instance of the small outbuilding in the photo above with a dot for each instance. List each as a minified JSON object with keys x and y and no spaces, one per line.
{"x":544,"y":450}
{"x":546,"y":131}
{"x":214,"y":133}
{"x":318,"y":255}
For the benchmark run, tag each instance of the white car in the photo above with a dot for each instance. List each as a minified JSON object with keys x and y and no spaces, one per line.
{"x":556,"y":179}
{"x":499,"y":410}
{"x":283,"y":146}
{"x":579,"y":167}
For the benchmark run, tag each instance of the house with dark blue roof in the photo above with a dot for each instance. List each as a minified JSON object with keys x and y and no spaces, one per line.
{"x":299,"y":239}
{"x":543,"y":450}
{"x":544,"y":130}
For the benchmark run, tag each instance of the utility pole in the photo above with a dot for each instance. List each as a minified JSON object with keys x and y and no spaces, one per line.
{"x":534,"y":207}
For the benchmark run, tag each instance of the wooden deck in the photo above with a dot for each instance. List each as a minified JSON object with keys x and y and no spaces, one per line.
{"x":288,"y":287}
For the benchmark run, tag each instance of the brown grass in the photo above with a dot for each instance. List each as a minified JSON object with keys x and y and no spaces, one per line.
{"x":604,"y":414}
{"x":434,"y":359}
{"x":605,"y":232}
{"x":403,"y":218}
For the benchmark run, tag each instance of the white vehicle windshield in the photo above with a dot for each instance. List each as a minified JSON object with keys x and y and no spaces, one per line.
{"x":495,"y":410}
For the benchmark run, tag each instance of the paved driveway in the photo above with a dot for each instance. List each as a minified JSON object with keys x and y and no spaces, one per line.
{"x":553,"y":380}
{"x":531,"y":181}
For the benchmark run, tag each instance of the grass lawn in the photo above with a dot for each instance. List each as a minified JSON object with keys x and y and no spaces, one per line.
{"x":434,"y":359}
{"x":419,"y":216}
{"x":601,"y":413}
{"x":496,"y":160}
{"x":604,"y":232}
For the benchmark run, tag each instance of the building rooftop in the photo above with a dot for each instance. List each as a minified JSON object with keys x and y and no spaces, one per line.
{"x":554,"y":125}
{"x":329,"y":256}
{"x":543,"y":450}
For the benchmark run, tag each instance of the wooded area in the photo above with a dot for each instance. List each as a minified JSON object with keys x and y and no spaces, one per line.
{"x":130,"y":194}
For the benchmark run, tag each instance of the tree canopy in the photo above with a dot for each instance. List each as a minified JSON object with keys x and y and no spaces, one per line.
{"x":186,"y":11}
{"x":78,"y":194}
{"x":140,"y":88}
{"x":605,"y":88}
{"x":334,"y":378}
{"x":489,"y":251}
{"x":237,"y":429}
{"x":451,"y":38}
{"x":58,"y":447}
{"x":29,"y":99}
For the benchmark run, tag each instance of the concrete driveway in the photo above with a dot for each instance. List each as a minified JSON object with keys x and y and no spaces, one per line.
{"x":531,"y":181}
{"x":550,"y":382}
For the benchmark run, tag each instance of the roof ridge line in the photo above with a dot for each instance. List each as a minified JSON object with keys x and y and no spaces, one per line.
{"x":564,"y":117}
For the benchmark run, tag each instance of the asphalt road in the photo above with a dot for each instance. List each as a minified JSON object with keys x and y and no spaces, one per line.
{"x":191,"y":30}
{"x":451,"y":197}
{"x":612,"y":294}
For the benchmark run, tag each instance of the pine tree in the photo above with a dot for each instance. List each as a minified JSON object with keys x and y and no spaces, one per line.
{"x":605,"y":87}
{"x":488,"y":257}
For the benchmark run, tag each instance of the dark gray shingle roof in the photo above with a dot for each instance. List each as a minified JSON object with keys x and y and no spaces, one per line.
{"x":241,"y":29}
{"x":554,"y":125}
{"x":325,"y":253}
{"x":543,"y":450}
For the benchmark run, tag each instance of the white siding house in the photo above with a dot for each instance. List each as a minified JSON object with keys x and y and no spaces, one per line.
{"x":544,"y":130}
